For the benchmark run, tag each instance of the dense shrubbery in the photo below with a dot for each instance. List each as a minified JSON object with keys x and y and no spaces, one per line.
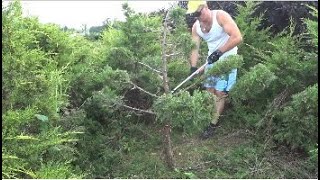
{"x":68,"y":104}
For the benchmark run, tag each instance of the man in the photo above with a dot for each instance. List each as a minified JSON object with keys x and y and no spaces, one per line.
{"x":222,"y":35}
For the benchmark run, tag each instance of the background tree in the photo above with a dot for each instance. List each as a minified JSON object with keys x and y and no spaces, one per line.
{"x":75,"y":107}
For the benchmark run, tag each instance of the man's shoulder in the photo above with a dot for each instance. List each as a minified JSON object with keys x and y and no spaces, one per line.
{"x":221,"y":12}
{"x":221,"y":15}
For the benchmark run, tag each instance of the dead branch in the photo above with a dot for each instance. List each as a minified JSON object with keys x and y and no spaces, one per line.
{"x":277,"y":103}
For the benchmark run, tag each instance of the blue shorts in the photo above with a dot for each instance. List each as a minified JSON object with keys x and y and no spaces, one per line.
{"x":222,"y":83}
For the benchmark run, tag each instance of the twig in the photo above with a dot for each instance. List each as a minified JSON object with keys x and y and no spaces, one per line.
{"x":196,"y":167}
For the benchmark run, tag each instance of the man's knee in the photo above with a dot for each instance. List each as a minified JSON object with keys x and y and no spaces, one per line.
{"x":221,"y":95}
{"x":212,"y":90}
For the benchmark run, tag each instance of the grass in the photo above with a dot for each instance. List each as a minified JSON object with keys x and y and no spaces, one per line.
{"x":233,"y":152}
{"x":236,"y":153}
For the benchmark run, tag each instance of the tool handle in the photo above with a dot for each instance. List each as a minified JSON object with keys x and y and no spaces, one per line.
{"x":189,"y":77}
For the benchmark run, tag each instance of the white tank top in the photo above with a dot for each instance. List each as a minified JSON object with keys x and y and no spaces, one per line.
{"x":216,"y":37}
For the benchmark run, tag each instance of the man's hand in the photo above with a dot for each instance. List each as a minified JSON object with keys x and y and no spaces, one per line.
{"x":214,"y":56}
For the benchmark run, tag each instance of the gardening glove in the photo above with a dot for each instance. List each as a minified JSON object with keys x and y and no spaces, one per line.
{"x":192,"y":70}
{"x":214,"y":56}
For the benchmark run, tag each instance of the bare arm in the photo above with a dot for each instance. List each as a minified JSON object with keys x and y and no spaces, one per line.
{"x":231,"y":28}
{"x":195,"y":52}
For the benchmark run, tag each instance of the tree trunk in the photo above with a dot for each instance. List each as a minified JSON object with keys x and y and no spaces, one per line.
{"x":167,"y":145}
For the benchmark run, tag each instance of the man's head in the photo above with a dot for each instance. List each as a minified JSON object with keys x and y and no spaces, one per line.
{"x":194,"y":11}
{"x":193,"y":6}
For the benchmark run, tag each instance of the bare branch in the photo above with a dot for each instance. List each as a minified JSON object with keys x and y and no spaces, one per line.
{"x":139,"y":110}
{"x":173,"y":54}
{"x":155,"y":70}
{"x":141,"y":89}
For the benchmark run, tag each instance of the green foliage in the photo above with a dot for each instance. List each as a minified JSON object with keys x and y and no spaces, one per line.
{"x":149,"y":80}
{"x":312,"y":26}
{"x":122,"y":58}
{"x":26,"y":147}
{"x":252,"y":83}
{"x":46,"y":69}
{"x":179,"y":33}
{"x":103,"y":104}
{"x":286,"y":61}
{"x":225,"y":66}
{"x":178,"y":70}
{"x":188,"y":113}
{"x":88,"y":82}
{"x":113,"y":37}
{"x":279,"y":63}
{"x":299,"y":119}
{"x":35,"y":60}
{"x":232,"y":164}
{"x":54,"y":170}
{"x":313,"y":159}
{"x":254,"y":38}
{"x":141,"y":31}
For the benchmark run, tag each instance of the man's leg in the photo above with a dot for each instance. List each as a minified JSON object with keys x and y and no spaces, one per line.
{"x":219,"y":104}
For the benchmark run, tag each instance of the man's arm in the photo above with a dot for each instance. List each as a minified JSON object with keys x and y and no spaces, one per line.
{"x":231,"y":28}
{"x":195,"y":52}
